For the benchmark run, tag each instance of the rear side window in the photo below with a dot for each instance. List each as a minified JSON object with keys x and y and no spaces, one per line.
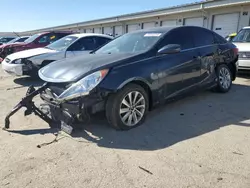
{"x":179,"y":36}
{"x":102,"y":40}
{"x":219,"y":39}
{"x":202,"y":37}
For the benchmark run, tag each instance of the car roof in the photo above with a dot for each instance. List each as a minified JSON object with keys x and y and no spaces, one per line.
{"x":165,"y":29}
{"x":247,"y":27}
{"x":80,"y":35}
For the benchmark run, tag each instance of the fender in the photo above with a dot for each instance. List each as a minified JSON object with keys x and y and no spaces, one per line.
{"x":134,"y":79}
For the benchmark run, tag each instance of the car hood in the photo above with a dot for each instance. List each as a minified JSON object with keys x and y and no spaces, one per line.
{"x":10,"y":44}
{"x":51,"y":55}
{"x":243,"y":47}
{"x":72,"y":69}
{"x":29,"y":53}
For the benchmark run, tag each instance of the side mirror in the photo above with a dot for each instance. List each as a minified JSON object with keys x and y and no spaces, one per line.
{"x":170,"y":49}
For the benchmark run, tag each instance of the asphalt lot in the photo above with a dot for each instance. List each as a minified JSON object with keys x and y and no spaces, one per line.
{"x":199,"y":141}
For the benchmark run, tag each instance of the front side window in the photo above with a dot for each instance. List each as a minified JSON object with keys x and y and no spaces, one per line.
{"x":132,"y":43}
{"x":62,"y":43}
{"x":86,"y":43}
{"x":181,"y":36}
{"x":44,"y":39}
{"x":242,"y":36}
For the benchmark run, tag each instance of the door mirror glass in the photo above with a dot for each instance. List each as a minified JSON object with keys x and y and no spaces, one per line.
{"x":170,"y":49}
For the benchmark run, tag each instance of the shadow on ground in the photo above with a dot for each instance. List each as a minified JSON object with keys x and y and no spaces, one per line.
{"x":174,"y":122}
{"x":34,"y":131}
{"x":244,"y":74}
{"x":27,"y":81}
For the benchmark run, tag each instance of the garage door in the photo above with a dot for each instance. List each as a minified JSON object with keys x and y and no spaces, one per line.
{"x":148,"y":25}
{"x":108,"y":30}
{"x":132,"y":27}
{"x":198,"y":21}
{"x":89,"y":30}
{"x":97,"y":30}
{"x":169,"y":23}
{"x":118,"y":30}
{"x":225,"y":24}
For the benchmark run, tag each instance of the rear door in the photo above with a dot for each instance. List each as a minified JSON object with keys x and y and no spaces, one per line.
{"x":179,"y":71}
{"x":207,"y":49}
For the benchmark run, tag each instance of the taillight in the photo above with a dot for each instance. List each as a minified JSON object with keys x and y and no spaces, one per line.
{"x":236,"y":50}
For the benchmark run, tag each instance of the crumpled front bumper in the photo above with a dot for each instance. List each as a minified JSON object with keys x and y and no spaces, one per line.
{"x":54,"y":112}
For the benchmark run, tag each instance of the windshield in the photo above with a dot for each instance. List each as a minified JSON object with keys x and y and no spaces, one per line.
{"x":131,"y":43}
{"x":242,"y":36}
{"x":32,"y":38}
{"x":12,"y":41}
{"x":62,"y":43}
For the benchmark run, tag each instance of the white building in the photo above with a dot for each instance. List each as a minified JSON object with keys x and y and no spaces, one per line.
{"x":221,"y":16}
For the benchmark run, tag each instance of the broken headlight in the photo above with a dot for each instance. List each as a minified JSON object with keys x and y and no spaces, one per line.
{"x":83,"y":86}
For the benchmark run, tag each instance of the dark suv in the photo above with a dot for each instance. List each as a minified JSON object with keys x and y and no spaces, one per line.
{"x":36,"y":41}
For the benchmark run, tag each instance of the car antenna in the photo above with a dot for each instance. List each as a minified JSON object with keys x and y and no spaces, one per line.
{"x":16,"y":34}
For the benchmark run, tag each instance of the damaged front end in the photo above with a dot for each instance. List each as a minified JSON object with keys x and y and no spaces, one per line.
{"x":65,"y":114}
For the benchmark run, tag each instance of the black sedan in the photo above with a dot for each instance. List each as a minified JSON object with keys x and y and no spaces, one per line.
{"x":133,"y":73}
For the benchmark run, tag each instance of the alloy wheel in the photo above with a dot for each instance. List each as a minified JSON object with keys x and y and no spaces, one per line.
{"x":224,"y":78}
{"x":132,"y":108}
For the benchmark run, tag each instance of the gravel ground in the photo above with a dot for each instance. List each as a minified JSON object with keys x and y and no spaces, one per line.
{"x":199,"y":141}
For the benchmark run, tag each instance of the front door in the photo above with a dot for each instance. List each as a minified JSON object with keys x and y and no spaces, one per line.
{"x":179,"y":71}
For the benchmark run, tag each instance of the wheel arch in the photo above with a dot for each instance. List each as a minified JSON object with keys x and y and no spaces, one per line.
{"x":232,"y":66}
{"x":143,"y":83}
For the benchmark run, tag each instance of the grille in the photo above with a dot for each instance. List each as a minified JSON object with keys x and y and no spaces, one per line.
{"x":244,"y":55}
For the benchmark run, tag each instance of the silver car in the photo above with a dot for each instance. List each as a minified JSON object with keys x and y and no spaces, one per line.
{"x":242,"y":41}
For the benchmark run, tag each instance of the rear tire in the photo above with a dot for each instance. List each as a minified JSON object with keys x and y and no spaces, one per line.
{"x":127,"y":108}
{"x":224,"y":79}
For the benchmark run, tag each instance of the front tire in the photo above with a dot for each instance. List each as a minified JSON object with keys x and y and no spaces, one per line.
{"x":224,"y":79}
{"x":127,"y":108}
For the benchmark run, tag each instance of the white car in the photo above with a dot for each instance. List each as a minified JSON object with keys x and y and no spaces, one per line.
{"x":242,"y":41}
{"x":28,"y":62}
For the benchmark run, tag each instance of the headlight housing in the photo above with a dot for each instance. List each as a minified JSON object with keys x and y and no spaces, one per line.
{"x":17,"y":61}
{"x":83,"y":86}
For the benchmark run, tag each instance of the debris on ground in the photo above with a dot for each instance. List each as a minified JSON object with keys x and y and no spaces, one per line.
{"x":145,"y":170}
